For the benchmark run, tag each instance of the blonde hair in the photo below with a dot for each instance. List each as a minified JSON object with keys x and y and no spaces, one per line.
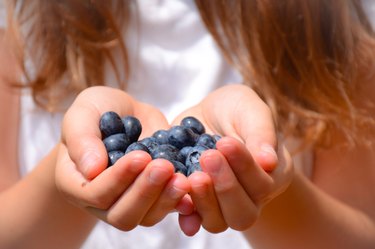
{"x":304,"y":58}
{"x":68,"y":42}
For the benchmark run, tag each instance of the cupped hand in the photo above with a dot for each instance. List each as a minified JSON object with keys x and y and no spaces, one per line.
{"x":248,"y":167}
{"x":136,"y":190}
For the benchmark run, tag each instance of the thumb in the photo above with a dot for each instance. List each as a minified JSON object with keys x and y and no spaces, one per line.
{"x":82,"y":137}
{"x":260,"y":137}
{"x":81,"y":132}
{"x":250,"y":121}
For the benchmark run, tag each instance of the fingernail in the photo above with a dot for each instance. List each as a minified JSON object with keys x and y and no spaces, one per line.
{"x":212,"y":164}
{"x":176,"y":193}
{"x":267,"y":157}
{"x":158,"y":175}
{"x":268,"y":149}
{"x":88,"y":161}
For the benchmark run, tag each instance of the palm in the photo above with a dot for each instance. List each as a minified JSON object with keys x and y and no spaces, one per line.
{"x":238,"y":171}
{"x":135,"y":190}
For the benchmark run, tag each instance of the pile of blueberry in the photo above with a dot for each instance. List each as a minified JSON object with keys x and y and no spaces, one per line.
{"x":182,"y":144}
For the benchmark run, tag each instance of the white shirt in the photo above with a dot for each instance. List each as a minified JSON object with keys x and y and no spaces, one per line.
{"x":174,"y":64}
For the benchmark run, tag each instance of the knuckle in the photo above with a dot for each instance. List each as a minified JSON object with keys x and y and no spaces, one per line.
{"x":215,"y":229}
{"x":147,"y":193}
{"x":244,"y":223}
{"x":149,"y":221}
{"x":122,"y":224}
{"x":226,"y":187}
{"x":265,"y":190}
{"x":98,"y":201}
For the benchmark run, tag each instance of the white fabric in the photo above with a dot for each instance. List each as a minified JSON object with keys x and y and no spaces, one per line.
{"x":369,"y":8}
{"x":175,"y":63}
{"x":3,"y":21}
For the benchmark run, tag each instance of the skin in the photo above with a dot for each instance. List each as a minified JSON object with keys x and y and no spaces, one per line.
{"x":123,"y":194}
{"x":33,"y":213}
{"x":242,"y":186}
{"x":8,"y":130}
{"x":270,"y":199}
{"x":242,"y":169}
{"x":136,"y":190}
{"x":333,"y":209}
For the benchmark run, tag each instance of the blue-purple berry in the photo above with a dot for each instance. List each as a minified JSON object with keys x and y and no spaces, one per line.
{"x":161,"y":136}
{"x":181,"y":136}
{"x":165,"y":151}
{"x":206,"y":140}
{"x":136,"y":146}
{"x":192,"y":159}
{"x":184,"y":152}
{"x":113,"y":156}
{"x":179,"y":167}
{"x":110,"y":123}
{"x":117,"y":142}
{"x":216,"y":137}
{"x":182,"y":144}
{"x":194,"y":124}
{"x":150,"y":143}
{"x":133,"y":127}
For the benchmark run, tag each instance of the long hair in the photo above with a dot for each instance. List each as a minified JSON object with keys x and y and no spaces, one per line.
{"x":305,"y":58}
{"x":67,"y":44}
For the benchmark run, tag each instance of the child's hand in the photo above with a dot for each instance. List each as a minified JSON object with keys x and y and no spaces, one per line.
{"x":247,"y":169}
{"x":135,"y":190}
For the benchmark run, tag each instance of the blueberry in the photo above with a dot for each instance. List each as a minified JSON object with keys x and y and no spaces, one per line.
{"x":184,"y":152}
{"x":192,"y":159}
{"x":114,"y":156}
{"x":117,"y":142}
{"x":165,"y":151}
{"x":110,"y":123}
{"x":216,"y":137}
{"x":179,"y":167}
{"x":194,"y":124}
{"x":182,"y":145}
{"x":133,"y":127}
{"x":161,"y":136}
{"x":150,"y":143}
{"x":206,"y":140}
{"x":191,"y":168}
{"x":136,"y":146}
{"x":181,"y":136}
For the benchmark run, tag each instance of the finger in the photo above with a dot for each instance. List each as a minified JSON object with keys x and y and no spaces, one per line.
{"x":256,"y":182}
{"x":189,"y":224}
{"x":259,"y":134}
{"x":283,"y":174}
{"x":81,"y":127}
{"x":257,"y":129}
{"x":207,"y":206}
{"x":185,"y":206}
{"x":133,"y":205}
{"x":248,"y":119}
{"x":238,"y":209}
{"x":89,"y":153}
{"x":105,"y":189}
{"x":177,"y":187}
